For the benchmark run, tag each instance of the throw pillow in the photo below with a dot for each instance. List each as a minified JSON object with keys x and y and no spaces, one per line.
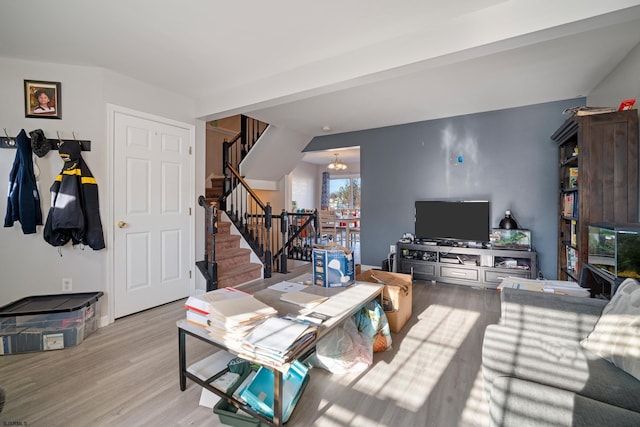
{"x":616,"y":335}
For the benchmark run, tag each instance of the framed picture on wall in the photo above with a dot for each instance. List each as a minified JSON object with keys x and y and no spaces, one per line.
{"x":42,"y":99}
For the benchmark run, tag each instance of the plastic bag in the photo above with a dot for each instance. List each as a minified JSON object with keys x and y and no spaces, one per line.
{"x":343,"y":350}
{"x":372,"y":322}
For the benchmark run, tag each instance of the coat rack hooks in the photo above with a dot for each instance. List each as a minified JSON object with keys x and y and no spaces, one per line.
{"x":10,"y":142}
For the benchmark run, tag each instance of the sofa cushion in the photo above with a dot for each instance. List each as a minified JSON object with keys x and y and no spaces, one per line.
{"x":516,"y":402}
{"x":563,"y":316}
{"x":616,"y":335}
{"x":556,"y":362}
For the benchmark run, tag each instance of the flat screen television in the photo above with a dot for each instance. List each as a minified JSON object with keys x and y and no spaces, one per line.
{"x":466,"y":221}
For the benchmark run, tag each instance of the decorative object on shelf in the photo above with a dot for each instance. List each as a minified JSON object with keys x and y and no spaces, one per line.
{"x":508,"y":223}
{"x":337,"y":164}
{"x":627,"y":104}
{"x":42,"y":99}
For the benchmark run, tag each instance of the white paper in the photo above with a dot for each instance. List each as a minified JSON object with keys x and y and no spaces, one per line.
{"x":208,"y":399}
{"x":288,"y":286}
{"x":276,"y":334}
{"x":211,"y":365}
{"x":303,"y":299}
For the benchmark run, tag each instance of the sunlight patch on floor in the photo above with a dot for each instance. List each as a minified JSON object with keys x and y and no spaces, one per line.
{"x":422,"y":357}
{"x":338,"y":416}
{"x":475,"y":412}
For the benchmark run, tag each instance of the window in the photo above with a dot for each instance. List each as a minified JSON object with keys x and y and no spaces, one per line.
{"x":344,"y":192}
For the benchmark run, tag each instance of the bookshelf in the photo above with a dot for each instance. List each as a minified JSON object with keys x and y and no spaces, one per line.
{"x":597,"y":180}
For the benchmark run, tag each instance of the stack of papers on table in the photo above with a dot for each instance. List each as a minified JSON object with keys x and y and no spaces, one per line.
{"x":229,"y":321}
{"x":198,"y":307}
{"x":303,"y":299}
{"x":277,"y":338}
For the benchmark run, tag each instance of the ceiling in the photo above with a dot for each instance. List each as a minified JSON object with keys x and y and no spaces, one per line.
{"x":348,"y":155}
{"x":354,"y":65}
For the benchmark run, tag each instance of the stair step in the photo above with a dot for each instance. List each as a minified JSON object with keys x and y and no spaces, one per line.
{"x":228,"y":258}
{"x":234,"y":263}
{"x":212,"y":193}
{"x":239,"y":274}
{"x":227,"y":241}
{"x":224,"y":227}
{"x":217,"y":182}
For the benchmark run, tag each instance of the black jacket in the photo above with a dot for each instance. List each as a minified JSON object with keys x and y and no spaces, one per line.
{"x":23,"y":201}
{"x":75,"y":212}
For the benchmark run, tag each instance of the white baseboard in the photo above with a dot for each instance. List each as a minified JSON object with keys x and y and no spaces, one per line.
{"x":104,"y":321}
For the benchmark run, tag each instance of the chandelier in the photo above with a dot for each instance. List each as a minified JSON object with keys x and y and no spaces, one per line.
{"x":337,"y":164}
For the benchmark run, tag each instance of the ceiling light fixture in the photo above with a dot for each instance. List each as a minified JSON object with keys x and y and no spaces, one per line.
{"x":337,"y":164}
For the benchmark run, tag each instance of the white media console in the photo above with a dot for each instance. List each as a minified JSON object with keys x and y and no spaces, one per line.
{"x":463,"y":265}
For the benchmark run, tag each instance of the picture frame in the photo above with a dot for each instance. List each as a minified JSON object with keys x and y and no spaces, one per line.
{"x":42,"y":99}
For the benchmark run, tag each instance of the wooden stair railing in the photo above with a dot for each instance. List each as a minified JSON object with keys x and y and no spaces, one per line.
{"x":234,"y":151}
{"x":274,"y":238}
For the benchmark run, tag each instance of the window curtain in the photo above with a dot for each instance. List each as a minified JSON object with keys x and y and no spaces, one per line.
{"x":324,"y":197}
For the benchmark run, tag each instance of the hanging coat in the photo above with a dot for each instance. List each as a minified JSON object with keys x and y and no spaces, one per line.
{"x":75,"y":212}
{"x":23,"y":200}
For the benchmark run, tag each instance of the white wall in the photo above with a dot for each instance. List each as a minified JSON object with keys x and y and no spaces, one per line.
{"x":305,"y":186}
{"x":30,"y":266}
{"x":622,"y":83}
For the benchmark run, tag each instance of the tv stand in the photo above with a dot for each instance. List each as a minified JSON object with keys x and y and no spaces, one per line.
{"x":464,"y":265}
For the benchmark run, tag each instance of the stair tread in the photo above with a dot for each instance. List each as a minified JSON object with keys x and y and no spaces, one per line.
{"x":240,"y":268}
{"x":227,"y":237}
{"x":230,"y":253}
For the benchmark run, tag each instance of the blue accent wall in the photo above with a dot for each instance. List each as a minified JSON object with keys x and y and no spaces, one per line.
{"x":505,"y":156}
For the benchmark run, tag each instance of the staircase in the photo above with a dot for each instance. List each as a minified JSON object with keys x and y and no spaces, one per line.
{"x":271,"y":236}
{"x":216,"y":190}
{"x":234,"y":263}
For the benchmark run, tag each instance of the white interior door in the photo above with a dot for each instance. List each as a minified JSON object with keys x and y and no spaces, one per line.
{"x":152,"y":241}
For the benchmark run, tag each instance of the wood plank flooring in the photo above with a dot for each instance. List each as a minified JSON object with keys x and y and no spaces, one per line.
{"x":126,"y":374}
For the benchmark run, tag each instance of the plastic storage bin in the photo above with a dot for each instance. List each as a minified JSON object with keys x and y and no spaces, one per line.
{"x":229,"y":415}
{"x":48,"y":322}
{"x":259,"y":393}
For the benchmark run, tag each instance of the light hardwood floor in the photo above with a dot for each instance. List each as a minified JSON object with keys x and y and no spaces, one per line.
{"x":126,"y":374}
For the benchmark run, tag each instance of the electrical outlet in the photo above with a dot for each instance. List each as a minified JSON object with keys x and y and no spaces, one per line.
{"x":392,"y":249}
{"x":67,"y":285}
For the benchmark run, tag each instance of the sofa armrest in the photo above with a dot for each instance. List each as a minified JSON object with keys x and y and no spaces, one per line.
{"x":515,"y":402}
{"x":562,"y":316}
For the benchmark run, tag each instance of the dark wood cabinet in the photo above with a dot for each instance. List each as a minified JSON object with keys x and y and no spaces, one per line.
{"x":465,"y":266}
{"x":598,"y":180}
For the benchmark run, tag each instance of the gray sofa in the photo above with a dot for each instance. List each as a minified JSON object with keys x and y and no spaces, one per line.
{"x":537,"y":369}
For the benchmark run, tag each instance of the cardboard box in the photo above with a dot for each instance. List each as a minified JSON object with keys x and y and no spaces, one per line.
{"x":333,"y":266}
{"x":397,"y":295}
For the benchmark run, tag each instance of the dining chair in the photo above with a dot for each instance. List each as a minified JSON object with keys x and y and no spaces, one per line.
{"x":353,"y":233}
{"x":328,"y":224}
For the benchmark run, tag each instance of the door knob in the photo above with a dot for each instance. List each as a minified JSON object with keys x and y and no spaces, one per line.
{"x":122,"y":224}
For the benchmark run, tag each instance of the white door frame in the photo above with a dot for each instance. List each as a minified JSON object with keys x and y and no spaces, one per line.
{"x":110,"y":228}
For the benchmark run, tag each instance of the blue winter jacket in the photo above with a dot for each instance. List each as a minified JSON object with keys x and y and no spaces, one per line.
{"x":23,"y":201}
